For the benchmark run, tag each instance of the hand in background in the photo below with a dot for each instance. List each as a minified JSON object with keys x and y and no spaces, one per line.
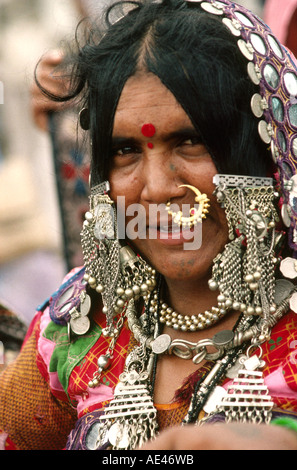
{"x":49,"y":79}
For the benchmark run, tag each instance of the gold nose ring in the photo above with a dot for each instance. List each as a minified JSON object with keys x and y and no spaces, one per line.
{"x":195,"y":214}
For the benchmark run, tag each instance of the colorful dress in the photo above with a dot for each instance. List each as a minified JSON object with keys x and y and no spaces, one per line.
{"x":45,"y":400}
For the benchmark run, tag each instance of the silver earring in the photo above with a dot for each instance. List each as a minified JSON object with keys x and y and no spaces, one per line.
{"x":113,"y":270}
{"x":244,"y":272}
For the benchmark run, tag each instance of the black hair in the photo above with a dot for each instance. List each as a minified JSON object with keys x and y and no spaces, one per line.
{"x":196,"y":58}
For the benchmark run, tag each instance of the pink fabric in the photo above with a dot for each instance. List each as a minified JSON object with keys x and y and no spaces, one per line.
{"x":46,"y":349}
{"x":277,"y":385}
{"x":45,"y":346}
{"x":277,"y":15}
{"x":54,"y":382}
{"x":3,"y":437}
{"x":95,"y":396}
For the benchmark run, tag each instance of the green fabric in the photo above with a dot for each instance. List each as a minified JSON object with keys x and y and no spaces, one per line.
{"x":286,"y":422}
{"x":68,"y":355}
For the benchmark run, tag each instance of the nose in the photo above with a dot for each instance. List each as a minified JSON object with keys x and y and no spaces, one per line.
{"x":160,"y":180}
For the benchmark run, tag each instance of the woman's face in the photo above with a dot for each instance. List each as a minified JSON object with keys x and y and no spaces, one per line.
{"x":155,"y":150}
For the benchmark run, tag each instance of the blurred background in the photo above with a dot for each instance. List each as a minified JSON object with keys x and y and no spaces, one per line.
{"x":32,"y":262}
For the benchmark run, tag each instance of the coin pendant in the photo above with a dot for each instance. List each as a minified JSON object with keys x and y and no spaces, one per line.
{"x":85,"y":306}
{"x":161,"y":344}
{"x":293,"y":302}
{"x":118,"y":436}
{"x":80,"y":325}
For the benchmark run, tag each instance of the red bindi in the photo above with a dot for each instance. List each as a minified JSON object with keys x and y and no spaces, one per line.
{"x":150,"y":145}
{"x":148,"y":130}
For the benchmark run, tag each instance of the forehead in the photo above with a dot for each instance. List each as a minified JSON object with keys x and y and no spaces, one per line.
{"x":144,"y":97}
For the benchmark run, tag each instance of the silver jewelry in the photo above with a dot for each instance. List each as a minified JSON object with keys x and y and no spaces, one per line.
{"x":101,"y":247}
{"x":200,"y":321}
{"x":105,"y":359}
{"x":130,"y":419}
{"x":247,"y":398}
{"x":112,"y":270}
{"x":79,"y":322}
{"x":244,"y":271}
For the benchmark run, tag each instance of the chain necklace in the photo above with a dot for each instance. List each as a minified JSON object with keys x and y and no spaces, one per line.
{"x":131,"y":417}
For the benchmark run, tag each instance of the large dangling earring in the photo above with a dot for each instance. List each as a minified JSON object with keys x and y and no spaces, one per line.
{"x":113,"y":270}
{"x":196,"y":214}
{"x":244,"y":272}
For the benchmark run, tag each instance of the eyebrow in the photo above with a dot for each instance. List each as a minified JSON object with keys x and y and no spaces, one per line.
{"x":185,"y":132}
{"x":119,"y":141}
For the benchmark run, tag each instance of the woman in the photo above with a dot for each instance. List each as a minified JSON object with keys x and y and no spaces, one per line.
{"x":176,"y":154}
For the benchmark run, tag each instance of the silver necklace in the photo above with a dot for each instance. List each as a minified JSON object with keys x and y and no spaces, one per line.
{"x":130,"y":418}
{"x":181,"y":322}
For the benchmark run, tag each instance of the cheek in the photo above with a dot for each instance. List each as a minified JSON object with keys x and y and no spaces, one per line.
{"x":124,"y":185}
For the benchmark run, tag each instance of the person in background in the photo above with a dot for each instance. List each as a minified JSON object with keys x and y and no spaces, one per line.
{"x":282,"y":19}
{"x":180,"y":330}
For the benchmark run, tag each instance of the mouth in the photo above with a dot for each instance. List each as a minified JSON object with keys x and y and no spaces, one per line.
{"x":172,"y":233}
{"x":169,"y":228}
{"x":164,"y":230}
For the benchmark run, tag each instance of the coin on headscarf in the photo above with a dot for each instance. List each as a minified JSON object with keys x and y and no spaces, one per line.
{"x":288,"y":267}
{"x":293,"y":302}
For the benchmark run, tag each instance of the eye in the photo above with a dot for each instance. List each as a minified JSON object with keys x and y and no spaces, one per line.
{"x":195,"y":140}
{"x":125,"y":150}
{"x":122,"y":151}
{"x":191,"y":146}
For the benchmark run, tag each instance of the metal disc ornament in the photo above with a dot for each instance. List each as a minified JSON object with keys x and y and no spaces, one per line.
{"x":85,"y":306}
{"x":161,"y":344}
{"x":283,"y":287}
{"x":118,"y":436}
{"x":293,"y":302}
{"x":80,"y":325}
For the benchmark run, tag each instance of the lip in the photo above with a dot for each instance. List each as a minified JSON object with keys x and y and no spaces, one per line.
{"x":171,"y":235}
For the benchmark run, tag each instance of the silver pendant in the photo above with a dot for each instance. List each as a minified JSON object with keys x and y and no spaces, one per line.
{"x":283,"y":288}
{"x":288,"y":268}
{"x":118,"y":436}
{"x":79,"y":321}
{"x":293,"y":302}
{"x":161,"y":344}
{"x":247,"y":399}
{"x":214,"y":399}
{"x":80,"y":325}
{"x":85,"y":305}
{"x":130,"y":418}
